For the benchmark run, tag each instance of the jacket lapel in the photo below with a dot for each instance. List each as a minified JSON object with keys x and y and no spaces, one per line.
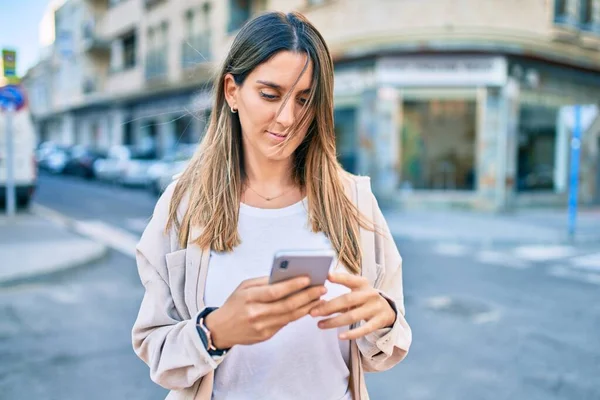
{"x":196,"y":260}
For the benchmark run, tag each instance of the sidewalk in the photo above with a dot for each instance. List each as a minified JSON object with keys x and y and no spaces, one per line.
{"x":31,"y":246}
{"x":524,"y":227}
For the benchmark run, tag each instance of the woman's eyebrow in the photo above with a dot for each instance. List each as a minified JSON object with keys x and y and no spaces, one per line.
{"x":279,"y":87}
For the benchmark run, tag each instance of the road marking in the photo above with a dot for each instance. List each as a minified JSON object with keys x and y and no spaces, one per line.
{"x":137,"y":224}
{"x":544,"y":253}
{"x":451,"y":249}
{"x":439,"y":302}
{"x":590,"y":262}
{"x":501,"y":259}
{"x":477,"y":312}
{"x":113,"y":237}
{"x":486,"y":317}
{"x":560,"y":271}
{"x":51,"y":215}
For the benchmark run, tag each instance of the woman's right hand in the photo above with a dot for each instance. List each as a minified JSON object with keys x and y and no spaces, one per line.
{"x":257,"y":310}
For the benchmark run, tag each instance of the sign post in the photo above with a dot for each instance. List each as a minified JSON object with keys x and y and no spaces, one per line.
{"x":12,"y":99}
{"x":10,"y":164}
{"x":574,"y":176}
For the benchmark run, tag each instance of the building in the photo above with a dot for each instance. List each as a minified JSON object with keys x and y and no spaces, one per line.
{"x":448,"y":103}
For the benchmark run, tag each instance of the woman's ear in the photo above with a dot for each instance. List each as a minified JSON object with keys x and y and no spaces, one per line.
{"x":231,"y":91}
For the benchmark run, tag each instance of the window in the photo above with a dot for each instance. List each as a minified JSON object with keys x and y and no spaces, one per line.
{"x":164,"y":32}
{"x":586,"y":13}
{"x":561,"y":11}
{"x":438,"y":144}
{"x":129,"y":50}
{"x":239,"y":13}
{"x":156,"y":57}
{"x":189,"y":23}
{"x":196,"y":43}
{"x":346,"y":135}
{"x":537,"y":141}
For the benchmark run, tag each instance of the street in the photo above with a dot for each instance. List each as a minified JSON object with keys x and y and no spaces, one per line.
{"x":507,"y":329}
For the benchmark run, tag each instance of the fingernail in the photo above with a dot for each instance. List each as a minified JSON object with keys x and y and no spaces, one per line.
{"x":323,"y":291}
{"x":321,"y":324}
{"x":314,"y":312}
{"x":343,"y":336}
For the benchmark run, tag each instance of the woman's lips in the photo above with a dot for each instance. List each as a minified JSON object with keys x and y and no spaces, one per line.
{"x":277,"y":137}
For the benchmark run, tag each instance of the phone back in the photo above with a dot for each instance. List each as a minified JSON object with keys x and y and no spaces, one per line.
{"x":312,"y":263}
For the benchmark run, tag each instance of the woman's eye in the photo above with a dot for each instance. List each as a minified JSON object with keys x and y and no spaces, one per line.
{"x":268,"y":96}
{"x":302,"y":101}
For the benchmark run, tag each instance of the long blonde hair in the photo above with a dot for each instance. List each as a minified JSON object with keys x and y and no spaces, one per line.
{"x":213,"y":179}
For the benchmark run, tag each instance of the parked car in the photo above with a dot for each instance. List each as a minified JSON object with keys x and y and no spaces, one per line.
{"x":162,"y":172}
{"x":81,"y":161}
{"x":43,"y":152}
{"x":57,"y":160}
{"x":125,"y":165}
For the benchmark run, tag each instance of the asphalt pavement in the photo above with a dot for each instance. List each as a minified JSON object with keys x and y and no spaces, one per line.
{"x":494,"y":322}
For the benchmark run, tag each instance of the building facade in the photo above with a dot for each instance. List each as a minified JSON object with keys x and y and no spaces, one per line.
{"x":443,"y":103}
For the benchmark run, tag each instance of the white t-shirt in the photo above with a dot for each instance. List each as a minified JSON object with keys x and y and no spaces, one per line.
{"x":301,"y":361}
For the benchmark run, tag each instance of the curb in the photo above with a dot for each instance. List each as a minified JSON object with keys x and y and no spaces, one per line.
{"x":93,"y":256}
{"x":96,"y":253}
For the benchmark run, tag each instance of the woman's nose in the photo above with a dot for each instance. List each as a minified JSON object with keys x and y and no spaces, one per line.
{"x":286,"y":114}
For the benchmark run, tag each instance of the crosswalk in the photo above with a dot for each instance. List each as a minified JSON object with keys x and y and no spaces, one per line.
{"x":560,"y":261}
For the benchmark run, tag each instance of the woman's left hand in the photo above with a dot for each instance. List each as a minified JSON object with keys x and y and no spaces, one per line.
{"x":363,"y":303}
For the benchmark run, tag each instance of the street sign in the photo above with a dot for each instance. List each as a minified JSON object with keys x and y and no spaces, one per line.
{"x":9,"y":63}
{"x":574,"y":178}
{"x":12,"y":95}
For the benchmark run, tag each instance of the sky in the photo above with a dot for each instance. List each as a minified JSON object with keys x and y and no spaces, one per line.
{"x":19,"y":30}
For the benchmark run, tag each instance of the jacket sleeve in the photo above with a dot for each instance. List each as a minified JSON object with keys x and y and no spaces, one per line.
{"x":167,"y":342}
{"x":383,"y":349}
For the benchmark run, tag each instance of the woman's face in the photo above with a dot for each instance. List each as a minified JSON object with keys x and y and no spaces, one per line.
{"x":260,"y":99}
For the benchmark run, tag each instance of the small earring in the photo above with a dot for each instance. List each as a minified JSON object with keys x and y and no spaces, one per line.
{"x":233,"y":110}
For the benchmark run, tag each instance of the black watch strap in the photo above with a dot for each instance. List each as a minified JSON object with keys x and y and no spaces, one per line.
{"x":203,"y":338}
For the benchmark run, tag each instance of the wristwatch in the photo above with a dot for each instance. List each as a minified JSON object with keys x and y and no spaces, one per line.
{"x":205,"y":335}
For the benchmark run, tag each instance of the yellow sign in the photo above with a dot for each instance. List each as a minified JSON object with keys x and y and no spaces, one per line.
{"x":9,"y":63}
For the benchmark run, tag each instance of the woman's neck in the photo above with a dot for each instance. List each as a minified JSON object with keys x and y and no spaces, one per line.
{"x":267,"y":174}
{"x":270,"y":184}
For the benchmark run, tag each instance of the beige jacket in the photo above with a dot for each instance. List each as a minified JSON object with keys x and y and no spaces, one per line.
{"x":164,"y":334}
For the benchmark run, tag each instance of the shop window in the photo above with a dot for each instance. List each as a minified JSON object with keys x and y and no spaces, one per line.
{"x":346,"y":138}
{"x":536,"y":148}
{"x":184,"y":132}
{"x":586,"y":13}
{"x":561,"y":11}
{"x":438,"y":145}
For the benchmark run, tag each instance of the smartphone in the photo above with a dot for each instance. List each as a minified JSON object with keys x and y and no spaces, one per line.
{"x":289,"y":264}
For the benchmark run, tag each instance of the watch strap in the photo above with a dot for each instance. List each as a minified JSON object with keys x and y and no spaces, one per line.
{"x":204,"y":333}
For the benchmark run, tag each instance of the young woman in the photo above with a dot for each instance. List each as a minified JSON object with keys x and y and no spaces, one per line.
{"x":266,"y":178}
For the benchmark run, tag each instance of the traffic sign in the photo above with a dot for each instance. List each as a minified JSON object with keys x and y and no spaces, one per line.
{"x":9,"y":63}
{"x":12,"y":95}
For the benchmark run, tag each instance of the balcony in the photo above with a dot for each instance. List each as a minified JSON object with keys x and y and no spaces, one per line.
{"x":195,"y":51}
{"x":91,"y":85}
{"x":156,"y":65}
{"x":92,"y":41}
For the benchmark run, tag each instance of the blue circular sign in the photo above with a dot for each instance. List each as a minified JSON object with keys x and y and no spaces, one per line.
{"x":12,"y":95}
